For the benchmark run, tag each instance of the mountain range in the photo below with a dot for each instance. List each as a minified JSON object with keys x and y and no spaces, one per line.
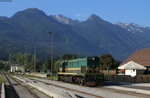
{"x":94,"y":36}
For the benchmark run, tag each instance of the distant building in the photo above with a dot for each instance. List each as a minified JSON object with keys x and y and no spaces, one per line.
{"x":141,"y":57}
{"x":131,"y":68}
{"x":17,"y":68}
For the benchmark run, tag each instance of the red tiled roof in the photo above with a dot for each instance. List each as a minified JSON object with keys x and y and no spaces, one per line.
{"x":140,"y":56}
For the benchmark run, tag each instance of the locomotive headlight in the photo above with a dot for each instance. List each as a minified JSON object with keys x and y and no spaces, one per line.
{"x":93,"y":58}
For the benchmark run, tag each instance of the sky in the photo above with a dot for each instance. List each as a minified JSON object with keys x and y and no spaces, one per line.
{"x":126,"y":11}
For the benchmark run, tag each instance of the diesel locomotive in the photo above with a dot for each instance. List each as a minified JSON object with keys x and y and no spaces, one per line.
{"x":83,"y":71}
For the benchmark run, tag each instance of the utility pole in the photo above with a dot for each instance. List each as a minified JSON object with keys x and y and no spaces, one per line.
{"x":9,"y":61}
{"x":35,"y":58}
{"x":52,"y":43}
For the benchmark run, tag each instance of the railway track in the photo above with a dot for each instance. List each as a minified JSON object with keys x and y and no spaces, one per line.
{"x":16,"y":89}
{"x":70,"y":89}
{"x":93,"y":91}
{"x":76,"y":93}
{"x":80,"y":91}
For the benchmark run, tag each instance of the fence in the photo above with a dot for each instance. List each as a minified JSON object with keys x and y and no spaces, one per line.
{"x":142,"y":78}
{"x":110,"y":72}
{"x":127,"y":78}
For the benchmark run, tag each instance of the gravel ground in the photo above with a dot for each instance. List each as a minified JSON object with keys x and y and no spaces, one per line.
{"x":92,"y":90}
{"x":59,"y":90}
{"x":142,"y":84}
{"x":46,"y":88}
{"x":18,"y":91}
{"x":140,"y":89}
{"x":38,"y":93}
{"x":111,"y":83}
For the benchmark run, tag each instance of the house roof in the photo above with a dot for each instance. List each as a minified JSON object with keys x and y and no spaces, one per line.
{"x":141,"y":57}
{"x":132,"y":65}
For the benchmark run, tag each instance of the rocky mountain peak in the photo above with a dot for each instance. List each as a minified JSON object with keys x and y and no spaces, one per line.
{"x":94,"y":17}
{"x":64,"y":19}
{"x":131,"y":27}
{"x":29,"y":12}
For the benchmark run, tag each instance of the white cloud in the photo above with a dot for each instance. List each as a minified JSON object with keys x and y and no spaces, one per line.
{"x":79,"y":15}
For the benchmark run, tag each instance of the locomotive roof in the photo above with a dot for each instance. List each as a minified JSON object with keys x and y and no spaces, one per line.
{"x":78,"y":59}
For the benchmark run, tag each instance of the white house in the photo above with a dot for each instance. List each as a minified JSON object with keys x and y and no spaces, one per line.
{"x":17,"y":68}
{"x":132,"y":68}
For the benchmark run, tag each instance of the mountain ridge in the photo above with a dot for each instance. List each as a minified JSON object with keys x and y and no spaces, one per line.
{"x":63,"y":19}
{"x":93,"y":36}
{"x":139,"y":30}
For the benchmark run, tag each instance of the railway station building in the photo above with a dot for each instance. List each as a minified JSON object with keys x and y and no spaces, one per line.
{"x":141,"y":57}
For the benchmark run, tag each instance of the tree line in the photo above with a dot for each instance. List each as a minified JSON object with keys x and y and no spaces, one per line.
{"x":29,"y":61}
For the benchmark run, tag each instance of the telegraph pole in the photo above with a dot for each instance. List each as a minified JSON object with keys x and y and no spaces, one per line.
{"x":9,"y":61}
{"x":35,"y":58}
{"x":52,"y":43}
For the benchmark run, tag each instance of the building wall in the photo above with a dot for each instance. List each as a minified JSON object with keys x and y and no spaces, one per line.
{"x":17,"y":68}
{"x":130,"y":72}
{"x":12,"y":69}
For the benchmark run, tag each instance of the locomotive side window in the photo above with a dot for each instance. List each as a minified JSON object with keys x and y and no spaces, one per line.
{"x":63,"y":66}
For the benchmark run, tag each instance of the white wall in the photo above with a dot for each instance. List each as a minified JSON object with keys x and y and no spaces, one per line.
{"x":130,"y":72}
{"x":12,"y":69}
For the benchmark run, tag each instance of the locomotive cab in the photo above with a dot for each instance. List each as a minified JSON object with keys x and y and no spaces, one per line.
{"x":93,"y":65}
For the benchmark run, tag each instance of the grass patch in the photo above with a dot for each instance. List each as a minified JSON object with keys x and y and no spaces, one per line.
{"x":2,"y":80}
{"x":53,"y":77}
